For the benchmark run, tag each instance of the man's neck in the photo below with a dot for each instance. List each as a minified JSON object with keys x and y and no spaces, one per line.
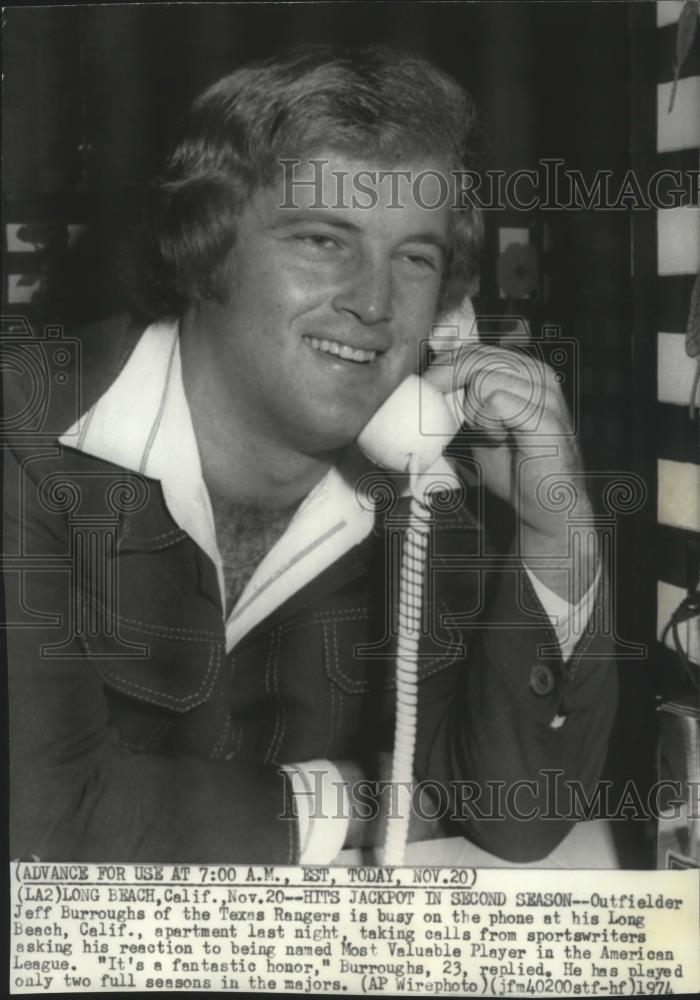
{"x":241,"y":463}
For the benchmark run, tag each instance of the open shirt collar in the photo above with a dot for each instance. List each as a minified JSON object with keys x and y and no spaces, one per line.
{"x":143,"y":423}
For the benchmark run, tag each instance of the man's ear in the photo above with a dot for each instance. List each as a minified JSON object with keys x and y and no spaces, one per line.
{"x":454,"y":327}
{"x":453,"y":330}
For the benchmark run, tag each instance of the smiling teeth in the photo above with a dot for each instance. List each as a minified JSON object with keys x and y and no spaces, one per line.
{"x":341,"y":350}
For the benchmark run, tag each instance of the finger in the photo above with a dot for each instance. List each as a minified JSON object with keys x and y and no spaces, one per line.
{"x":483,"y":369}
{"x":450,"y":369}
{"x":519,"y":413}
{"x":535,"y":395}
{"x":484,"y":419}
{"x":529,"y":377}
{"x":471,"y":361}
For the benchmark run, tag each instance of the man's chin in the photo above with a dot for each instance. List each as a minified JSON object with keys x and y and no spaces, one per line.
{"x":327,"y":445}
{"x":332,"y":436}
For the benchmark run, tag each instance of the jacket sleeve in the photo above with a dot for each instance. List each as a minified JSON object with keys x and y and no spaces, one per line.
{"x":514,"y":737}
{"x":78,"y":792}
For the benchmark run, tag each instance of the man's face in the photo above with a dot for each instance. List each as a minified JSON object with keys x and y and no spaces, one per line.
{"x":327,"y":305}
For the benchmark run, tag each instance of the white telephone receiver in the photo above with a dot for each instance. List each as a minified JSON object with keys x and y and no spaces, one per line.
{"x":395,"y":439}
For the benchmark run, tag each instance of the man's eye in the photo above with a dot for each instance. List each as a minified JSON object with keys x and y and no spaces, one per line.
{"x":421,"y":261}
{"x":318,"y":241}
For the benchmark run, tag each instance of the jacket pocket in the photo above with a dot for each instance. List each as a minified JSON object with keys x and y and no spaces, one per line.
{"x":170,"y":666}
{"x":360,"y":653}
{"x":353,"y":659}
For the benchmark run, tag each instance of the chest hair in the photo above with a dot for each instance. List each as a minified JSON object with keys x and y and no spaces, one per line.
{"x":245,"y":534}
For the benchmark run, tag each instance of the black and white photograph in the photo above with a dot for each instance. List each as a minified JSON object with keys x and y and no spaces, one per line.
{"x":351,"y":443}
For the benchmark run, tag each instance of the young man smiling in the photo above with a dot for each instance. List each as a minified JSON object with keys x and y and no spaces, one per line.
{"x":324,"y":314}
{"x":226,"y":663}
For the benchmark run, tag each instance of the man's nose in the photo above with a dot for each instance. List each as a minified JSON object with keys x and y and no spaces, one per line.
{"x":367,"y":292}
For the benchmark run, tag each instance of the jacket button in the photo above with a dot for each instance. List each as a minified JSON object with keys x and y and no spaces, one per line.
{"x":542,"y":680}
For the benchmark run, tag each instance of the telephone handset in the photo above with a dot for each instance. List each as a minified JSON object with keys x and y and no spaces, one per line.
{"x":396,"y":434}
{"x":393,"y":438}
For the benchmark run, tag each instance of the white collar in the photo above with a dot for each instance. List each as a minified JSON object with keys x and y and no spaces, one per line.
{"x":143,"y":423}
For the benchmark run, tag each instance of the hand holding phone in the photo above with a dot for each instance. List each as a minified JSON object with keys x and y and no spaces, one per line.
{"x":393,"y":438}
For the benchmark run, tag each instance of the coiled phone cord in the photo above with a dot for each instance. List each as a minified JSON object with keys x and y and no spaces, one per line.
{"x":413,"y":561}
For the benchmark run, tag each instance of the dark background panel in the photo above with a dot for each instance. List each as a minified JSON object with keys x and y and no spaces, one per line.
{"x":92,"y":94}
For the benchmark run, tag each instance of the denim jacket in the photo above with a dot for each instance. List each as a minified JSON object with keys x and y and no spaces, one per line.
{"x":143,"y":727}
